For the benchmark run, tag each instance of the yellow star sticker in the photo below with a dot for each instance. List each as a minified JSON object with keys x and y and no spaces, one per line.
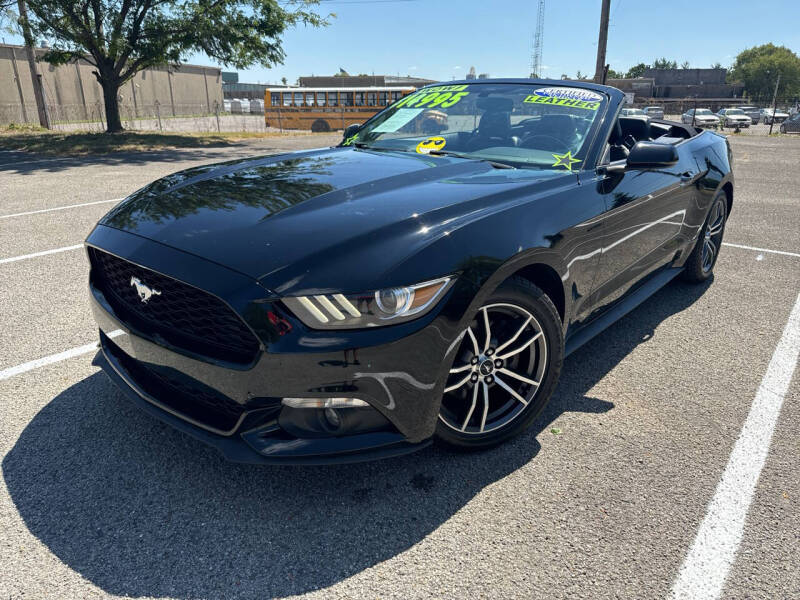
{"x":565,"y":160}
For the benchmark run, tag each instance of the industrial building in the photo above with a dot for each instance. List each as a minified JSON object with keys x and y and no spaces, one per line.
{"x":72,"y":92}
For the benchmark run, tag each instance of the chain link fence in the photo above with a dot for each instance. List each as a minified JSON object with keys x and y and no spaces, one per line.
{"x":762,"y":121}
{"x":197,"y":118}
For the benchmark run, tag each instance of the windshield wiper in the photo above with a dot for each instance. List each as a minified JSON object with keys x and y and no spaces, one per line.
{"x":365,"y":146}
{"x":494,"y":163}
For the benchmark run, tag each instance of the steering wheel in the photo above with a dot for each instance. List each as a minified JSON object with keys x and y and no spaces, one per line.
{"x":561,"y":145}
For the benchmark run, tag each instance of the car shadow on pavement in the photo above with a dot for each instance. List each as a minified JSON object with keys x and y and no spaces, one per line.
{"x":25,"y":163}
{"x":140,"y":510}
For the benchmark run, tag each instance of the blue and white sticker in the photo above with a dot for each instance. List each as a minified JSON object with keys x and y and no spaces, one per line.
{"x":566,"y":96}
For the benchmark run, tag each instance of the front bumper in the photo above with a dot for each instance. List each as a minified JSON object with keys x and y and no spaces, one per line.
{"x":397,"y":370}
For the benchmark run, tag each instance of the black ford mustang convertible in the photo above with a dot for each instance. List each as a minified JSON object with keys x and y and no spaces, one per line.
{"x":422,"y":280}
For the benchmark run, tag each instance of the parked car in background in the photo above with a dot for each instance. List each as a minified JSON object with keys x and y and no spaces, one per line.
{"x":240,"y":106}
{"x":226,"y":105}
{"x":257,"y":107}
{"x":701,"y":117}
{"x":654,"y":112}
{"x":632,"y":112}
{"x":770,"y":115}
{"x":733,"y":117}
{"x":792,"y":124}
{"x":753,"y":112}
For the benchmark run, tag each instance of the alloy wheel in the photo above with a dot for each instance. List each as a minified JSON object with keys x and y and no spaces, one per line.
{"x":500,"y":365}
{"x":713,"y":235}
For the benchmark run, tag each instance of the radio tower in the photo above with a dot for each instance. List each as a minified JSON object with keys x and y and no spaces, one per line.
{"x":536,"y":57}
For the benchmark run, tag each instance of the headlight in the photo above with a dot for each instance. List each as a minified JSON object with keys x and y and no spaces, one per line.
{"x":370,"y":309}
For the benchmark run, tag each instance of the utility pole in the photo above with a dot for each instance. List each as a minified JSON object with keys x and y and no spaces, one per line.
{"x":774,"y":102}
{"x":602,"y":41}
{"x":36,"y":78}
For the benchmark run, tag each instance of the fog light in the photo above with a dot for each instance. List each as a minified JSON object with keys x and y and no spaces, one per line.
{"x":323,"y":402}
{"x":334,"y":420}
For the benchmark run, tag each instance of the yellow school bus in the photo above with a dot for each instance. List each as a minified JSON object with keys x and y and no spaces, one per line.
{"x":326,"y":109}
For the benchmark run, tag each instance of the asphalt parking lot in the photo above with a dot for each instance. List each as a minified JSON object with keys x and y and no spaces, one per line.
{"x":603,"y":498}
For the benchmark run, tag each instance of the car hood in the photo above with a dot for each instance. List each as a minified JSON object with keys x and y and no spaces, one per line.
{"x":322,"y":219}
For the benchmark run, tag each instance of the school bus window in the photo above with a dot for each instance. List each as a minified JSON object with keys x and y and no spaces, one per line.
{"x":320,"y":98}
{"x":396,"y":96}
{"x":359,"y":98}
{"x":275,"y":98}
{"x":309,"y":99}
{"x":348,"y":98}
{"x":372,"y":98}
{"x":298,"y":99}
{"x":383,"y":98}
{"x":287,"y":99}
{"x":332,"y":99}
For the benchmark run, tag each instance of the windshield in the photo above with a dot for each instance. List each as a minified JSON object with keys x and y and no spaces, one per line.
{"x":522,"y":124}
{"x":703,"y":111}
{"x":734,"y":111}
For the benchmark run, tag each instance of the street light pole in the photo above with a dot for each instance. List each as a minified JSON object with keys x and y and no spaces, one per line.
{"x":774,"y":103}
{"x":602,"y":42}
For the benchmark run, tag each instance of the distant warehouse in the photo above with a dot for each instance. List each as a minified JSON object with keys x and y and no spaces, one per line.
{"x":73,"y":94}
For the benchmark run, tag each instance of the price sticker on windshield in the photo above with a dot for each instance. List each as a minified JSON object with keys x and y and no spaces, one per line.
{"x":564,"y":96}
{"x":441,"y":96}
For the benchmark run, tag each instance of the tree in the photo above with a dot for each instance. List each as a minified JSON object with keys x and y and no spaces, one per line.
{"x":283,"y":80}
{"x":612,"y":74}
{"x":758,"y":68}
{"x":580,"y":76}
{"x":122,"y":37}
{"x":664,"y":63}
{"x":636,"y":71}
{"x":685,"y":64}
{"x":717,"y":65}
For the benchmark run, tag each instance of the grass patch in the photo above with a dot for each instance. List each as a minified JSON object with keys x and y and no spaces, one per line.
{"x":52,"y":143}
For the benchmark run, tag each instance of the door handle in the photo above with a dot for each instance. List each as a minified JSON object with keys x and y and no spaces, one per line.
{"x":687,"y":176}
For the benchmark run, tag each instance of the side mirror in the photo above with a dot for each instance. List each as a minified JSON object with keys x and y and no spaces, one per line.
{"x":351,"y":130}
{"x":652,"y":154}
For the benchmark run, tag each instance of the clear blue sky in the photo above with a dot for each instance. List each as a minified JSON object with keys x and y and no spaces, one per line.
{"x":441,"y":39}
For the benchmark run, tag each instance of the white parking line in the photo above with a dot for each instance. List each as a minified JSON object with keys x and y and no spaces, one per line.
{"x":42,"y":253}
{"x":784,"y":253}
{"x":53,"y":358}
{"x":44,"y":210}
{"x":706,"y":566}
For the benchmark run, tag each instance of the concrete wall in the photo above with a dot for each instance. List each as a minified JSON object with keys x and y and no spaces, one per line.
{"x":72,"y":93}
{"x":687,"y":76}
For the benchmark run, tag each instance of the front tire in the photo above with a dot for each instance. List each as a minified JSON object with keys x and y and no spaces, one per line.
{"x":505,"y":369}
{"x":700,"y":264}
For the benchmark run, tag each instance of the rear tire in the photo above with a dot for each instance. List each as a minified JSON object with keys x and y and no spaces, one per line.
{"x":320,"y":126}
{"x":700,"y":264}
{"x":499,"y":382}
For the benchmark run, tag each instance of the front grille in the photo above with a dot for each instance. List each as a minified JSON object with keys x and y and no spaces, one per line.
{"x":179,"y":392}
{"x":181,"y":315}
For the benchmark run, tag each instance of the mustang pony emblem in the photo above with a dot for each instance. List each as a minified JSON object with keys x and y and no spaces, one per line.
{"x":145,"y":292}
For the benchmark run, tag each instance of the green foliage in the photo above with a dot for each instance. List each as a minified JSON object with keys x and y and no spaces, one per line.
{"x":612,"y":74}
{"x":664,"y":63}
{"x":758,"y":68}
{"x":685,"y":64}
{"x":135,"y":34}
{"x":636,"y":71}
